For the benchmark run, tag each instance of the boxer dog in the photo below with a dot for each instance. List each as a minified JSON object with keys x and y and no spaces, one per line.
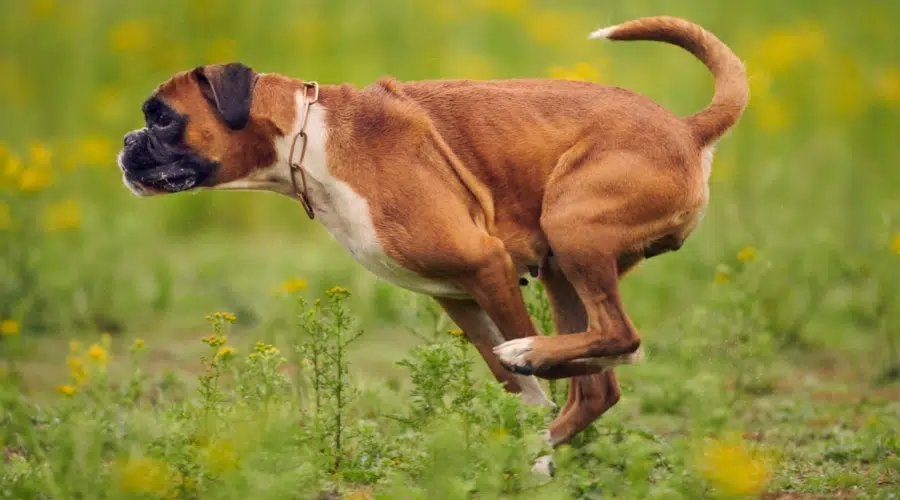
{"x":455,"y":189}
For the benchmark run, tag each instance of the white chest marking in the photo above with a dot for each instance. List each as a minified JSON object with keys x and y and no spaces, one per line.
{"x":346,"y":215}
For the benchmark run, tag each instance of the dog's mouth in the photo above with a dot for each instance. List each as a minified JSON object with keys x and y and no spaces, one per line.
{"x":164,"y":178}
{"x":151,"y":167}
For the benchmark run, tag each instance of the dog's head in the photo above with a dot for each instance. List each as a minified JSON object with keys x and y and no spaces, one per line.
{"x":207,"y":127}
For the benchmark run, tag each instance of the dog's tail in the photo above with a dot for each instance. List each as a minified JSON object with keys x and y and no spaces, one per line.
{"x":731,"y":92}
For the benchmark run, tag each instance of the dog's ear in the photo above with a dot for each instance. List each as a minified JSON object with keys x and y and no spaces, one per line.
{"x":229,"y":88}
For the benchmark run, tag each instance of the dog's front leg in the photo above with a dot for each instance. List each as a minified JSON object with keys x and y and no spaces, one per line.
{"x":492,"y":282}
{"x":484,"y":335}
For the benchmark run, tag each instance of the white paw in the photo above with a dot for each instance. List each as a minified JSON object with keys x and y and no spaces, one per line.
{"x":512,"y":353}
{"x":544,"y":466}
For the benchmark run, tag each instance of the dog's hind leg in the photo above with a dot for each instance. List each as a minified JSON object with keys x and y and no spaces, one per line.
{"x":589,"y":395}
{"x":596,"y":213}
{"x":481,"y":331}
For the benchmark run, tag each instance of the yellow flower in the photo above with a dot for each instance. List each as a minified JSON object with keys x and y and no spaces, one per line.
{"x":77,"y":370}
{"x":11,"y":166}
{"x":733,"y":470}
{"x":220,"y":456}
{"x":138,"y":343}
{"x":39,"y":155}
{"x":35,"y":179}
{"x":61,"y":216}
{"x":222,"y":51}
{"x":144,"y":475}
{"x":888,"y":86}
{"x":262,"y":347}
{"x":895,"y":243}
{"x":337,"y":291}
{"x":97,"y":353}
{"x":9,"y":327}
{"x":96,"y":150}
{"x":456,"y":332}
{"x":225,"y":352}
{"x":132,"y":35}
{"x":214,"y":340}
{"x":723,"y":275}
{"x":66,"y":390}
{"x":581,"y":71}
{"x":293,"y":285}
{"x":784,"y":48}
{"x":5,"y":217}
{"x":746,"y":254}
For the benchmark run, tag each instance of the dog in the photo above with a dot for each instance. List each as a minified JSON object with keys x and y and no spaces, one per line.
{"x":457,"y":188}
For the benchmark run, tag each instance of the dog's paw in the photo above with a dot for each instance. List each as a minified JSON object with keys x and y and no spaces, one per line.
{"x":513,"y":355}
{"x":544,"y":466}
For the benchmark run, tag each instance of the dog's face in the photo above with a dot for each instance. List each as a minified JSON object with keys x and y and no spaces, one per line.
{"x":203,"y":128}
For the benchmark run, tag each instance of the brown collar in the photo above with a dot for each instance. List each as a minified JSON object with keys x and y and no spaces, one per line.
{"x":297,"y":166}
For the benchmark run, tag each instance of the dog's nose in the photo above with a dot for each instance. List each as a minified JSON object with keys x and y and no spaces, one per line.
{"x":130,"y":138}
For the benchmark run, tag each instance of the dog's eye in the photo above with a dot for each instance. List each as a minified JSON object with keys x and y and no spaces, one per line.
{"x":163,"y":120}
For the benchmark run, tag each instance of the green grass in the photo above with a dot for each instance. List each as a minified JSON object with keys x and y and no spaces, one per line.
{"x":796,"y":350}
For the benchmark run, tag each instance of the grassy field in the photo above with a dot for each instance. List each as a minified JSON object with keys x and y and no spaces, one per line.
{"x":772,"y":337}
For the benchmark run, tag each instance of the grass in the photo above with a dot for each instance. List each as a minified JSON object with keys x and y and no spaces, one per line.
{"x":772,"y":342}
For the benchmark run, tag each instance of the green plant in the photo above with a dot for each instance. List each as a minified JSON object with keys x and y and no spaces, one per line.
{"x":327,"y":332}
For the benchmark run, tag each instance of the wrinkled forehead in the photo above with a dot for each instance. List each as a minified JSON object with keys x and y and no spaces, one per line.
{"x":180,"y":83}
{"x":181,"y":94}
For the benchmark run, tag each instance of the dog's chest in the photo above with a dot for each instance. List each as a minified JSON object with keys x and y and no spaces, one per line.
{"x":346,"y":216}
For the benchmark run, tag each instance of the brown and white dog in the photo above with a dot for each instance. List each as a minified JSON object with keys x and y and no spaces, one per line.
{"x":455,"y":189}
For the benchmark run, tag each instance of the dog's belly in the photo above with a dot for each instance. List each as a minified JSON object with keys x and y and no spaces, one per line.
{"x":347,"y":218}
{"x":386,"y":268}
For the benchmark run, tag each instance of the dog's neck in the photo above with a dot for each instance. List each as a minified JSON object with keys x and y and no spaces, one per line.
{"x":310,"y":120}
{"x":277,"y":176}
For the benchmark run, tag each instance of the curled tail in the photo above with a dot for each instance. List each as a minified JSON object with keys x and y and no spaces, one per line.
{"x":731,"y":91}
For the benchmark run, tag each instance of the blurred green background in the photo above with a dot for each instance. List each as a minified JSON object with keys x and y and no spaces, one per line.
{"x":779,"y":319}
{"x":808,"y":179}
